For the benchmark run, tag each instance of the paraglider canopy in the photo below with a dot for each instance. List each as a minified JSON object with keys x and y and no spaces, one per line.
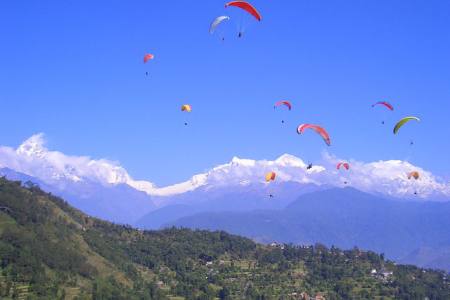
{"x":414,"y":175}
{"x":247,"y":7}
{"x":321,"y":131}
{"x":270,"y":176}
{"x":385,"y":104}
{"x":148,"y":57}
{"x":283,"y":103}
{"x":186,"y":108}
{"x":403,"y":122}
{"x":343,"y":164}
{"x":216,"y":23}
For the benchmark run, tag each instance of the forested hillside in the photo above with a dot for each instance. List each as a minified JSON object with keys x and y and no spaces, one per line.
{"x":49,"y":250}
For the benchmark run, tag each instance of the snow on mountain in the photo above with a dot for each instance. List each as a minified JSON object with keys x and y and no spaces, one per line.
{"x":383,"y":177}
{"x":244,"y":171}
{"x":34,"y":159}
{"x":388,"y":178}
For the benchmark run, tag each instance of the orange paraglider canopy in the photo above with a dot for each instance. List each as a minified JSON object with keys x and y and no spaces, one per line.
{"x":414,"y":175}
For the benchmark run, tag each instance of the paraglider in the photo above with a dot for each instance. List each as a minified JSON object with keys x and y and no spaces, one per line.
{"x":283,"y":103}
{"x":217,"y":21}
{"x":246,"y":7}
{"x":321,"y":131}
{"x":309,"y":167}
{"x":384,"y":104}
{"x":403,"y":121}
{"x":343,"y":164}
{"x":270,"y":176}
{"x":414,"y":175}
{"x":148,"y":57}
{"x":186,"y":108}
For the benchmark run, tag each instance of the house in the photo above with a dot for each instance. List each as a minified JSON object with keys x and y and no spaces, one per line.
{"x":276,"y":245}
{"x":319,"y":297}
{"x":383,"y":275}
{"x":387,"y":274}
{"x":304,"y":296}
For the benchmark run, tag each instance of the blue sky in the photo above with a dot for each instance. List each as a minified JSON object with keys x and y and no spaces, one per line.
{"x":73,"y":70}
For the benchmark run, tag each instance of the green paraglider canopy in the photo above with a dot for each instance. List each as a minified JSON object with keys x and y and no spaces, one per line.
{"x":403,"y":122}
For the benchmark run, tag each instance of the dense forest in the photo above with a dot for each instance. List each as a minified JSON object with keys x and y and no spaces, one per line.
{"x":49,"y":250}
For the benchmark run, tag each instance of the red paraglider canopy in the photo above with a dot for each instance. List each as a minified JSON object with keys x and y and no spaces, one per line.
{"x":384,"y":103}
{"x":247,"y":7}
{"x":148,"y":57}
{"x":287,"y":103}
{"x":322,"y":132}
{"x":343,"y":164}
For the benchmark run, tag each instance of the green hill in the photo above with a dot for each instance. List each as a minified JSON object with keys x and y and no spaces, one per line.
{"x":49,"y":250}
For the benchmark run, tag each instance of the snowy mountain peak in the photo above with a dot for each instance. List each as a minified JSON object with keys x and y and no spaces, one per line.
{"x":34,"y":146}
{"x":34,"y":159}
{"x":236,"y":161}
{"x":290,"y":160}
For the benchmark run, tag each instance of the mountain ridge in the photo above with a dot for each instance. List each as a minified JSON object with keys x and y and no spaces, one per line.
{"x":339,"y":217}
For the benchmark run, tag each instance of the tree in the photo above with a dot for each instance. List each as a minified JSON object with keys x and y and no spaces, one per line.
{"x":224,"y":293}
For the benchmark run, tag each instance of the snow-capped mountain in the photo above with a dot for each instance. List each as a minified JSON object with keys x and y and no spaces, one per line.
{"x":98,"y":187}
{"x":34,"y":159}
{"x":388,"y":178}
{"x":383,"y":177}
{"x":104,"y":188}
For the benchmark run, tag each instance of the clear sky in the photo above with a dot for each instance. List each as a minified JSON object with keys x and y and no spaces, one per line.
{"x":73,"y":70}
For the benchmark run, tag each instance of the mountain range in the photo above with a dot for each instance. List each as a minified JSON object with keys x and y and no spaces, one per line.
{"x":372,"y":205}
{"x":410,"y":232}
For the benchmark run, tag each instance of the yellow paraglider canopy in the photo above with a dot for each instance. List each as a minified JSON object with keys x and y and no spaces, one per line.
{"x":186,"y":108}
{"x":270,"y":176}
